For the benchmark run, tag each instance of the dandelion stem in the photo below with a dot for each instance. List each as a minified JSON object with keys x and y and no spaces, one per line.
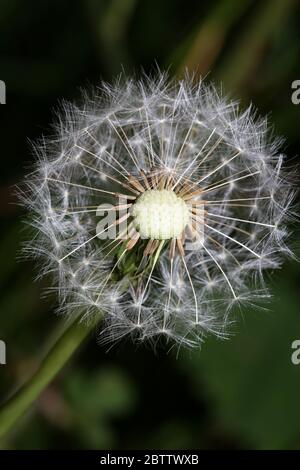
{"x":57,"y":357}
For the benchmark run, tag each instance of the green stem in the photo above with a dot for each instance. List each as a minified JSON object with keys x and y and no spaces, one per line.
{"x":57,"y":357}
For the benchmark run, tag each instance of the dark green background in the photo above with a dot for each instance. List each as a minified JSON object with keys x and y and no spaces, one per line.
{"x":242,"y":393}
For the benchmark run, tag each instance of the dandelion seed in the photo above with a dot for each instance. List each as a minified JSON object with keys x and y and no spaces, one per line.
{"x":196,"y":205}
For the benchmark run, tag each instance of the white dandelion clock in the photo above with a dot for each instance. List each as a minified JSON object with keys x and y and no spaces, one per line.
{"x":158,"y":207}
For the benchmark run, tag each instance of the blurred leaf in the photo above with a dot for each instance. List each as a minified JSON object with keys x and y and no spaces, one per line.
{"x":173,"y":434}
{"x":97,"y":398}
{"x":250,"y":380}
{"x":9,"y":244}
{"x":243,"y":59}
{"x":202,"y":50}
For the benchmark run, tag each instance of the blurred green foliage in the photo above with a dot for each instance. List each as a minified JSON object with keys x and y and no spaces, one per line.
{"x":241,"y":393}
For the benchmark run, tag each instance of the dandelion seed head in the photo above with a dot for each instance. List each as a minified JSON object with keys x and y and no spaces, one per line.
{"x":158,"y":206}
